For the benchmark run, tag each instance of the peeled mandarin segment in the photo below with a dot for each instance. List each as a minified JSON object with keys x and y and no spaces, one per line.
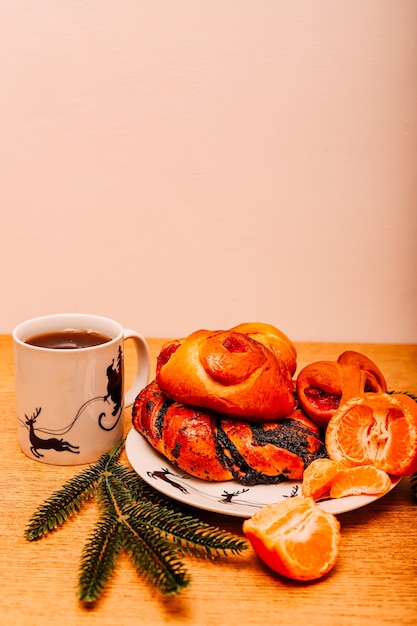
{"x":318,"y":477}
{"x":375,"y":429}
{"x":295,"y":538}
{"x":362,"y":480}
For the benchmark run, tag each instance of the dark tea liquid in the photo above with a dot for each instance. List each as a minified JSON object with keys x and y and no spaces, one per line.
{"x":68,"y":339}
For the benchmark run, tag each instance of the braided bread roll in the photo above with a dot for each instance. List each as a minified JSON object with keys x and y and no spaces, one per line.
{"x":227,"y":372}
{"x":323,"y":386}
{"x":214,"y":448}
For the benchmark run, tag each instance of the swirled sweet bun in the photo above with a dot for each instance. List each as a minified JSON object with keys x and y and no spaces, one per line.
{"x":227,"y":372}
{"x":272,"y":338}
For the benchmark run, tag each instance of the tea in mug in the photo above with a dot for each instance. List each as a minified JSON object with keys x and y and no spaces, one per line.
{"x":68,"y":339}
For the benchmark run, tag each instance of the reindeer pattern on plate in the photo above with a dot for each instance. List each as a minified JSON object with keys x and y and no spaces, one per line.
{"x":187,"y":485}
{"x":59,"y":444}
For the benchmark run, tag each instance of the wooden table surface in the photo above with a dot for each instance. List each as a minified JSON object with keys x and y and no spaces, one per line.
{"x":374,"y":581}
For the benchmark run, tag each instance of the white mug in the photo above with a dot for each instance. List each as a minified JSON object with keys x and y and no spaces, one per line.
{"x":70,"y":399}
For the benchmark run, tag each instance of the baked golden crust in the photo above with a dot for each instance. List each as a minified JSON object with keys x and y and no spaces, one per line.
{"x":212,"y":447}
{"x":227,"y":372}
{"x":272,"y":338}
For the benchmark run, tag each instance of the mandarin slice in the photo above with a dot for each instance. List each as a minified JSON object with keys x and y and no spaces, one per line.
{"x":318,"y":478}
{"x":360,"y":480}
{"x":375,"y":429}
{"x":295,"y":538}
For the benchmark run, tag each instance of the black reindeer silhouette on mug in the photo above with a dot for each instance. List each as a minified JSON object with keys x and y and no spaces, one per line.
{"x":114,"y":393}
{"x":51,"y":443}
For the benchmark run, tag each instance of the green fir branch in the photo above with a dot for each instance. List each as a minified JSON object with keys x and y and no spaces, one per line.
{"x":63,"y":503}
{"x":191,"y":535}
{"x":69,"y":499}
{"x":133,"y":518}
{"x":99,"y":558}
{"x":154,"y":557}
{"x":188,"y":533}
{"x":137,"y":489}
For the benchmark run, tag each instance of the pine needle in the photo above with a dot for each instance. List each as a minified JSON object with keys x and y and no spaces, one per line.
{"x":63,"y":503}
{"x":155,"y":557}
{"x":404,"y":393}
{"x":99,"y":559}
{"x":133,"y":518}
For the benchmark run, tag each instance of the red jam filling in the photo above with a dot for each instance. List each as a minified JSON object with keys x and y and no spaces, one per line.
{"x":166,"y":354}
{"x":322,"y":400}
{"x":234,"y":344}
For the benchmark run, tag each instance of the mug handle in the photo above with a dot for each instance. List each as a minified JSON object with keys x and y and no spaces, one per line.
{"x":142,"y":365}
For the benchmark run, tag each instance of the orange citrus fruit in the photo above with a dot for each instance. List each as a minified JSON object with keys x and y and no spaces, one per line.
{"x":360,"y":480}
{"x":295,"y":538}
{"x":377,"y":429}
{"x":318,"y":478}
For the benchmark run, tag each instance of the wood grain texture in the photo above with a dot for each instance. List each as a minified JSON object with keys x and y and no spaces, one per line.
{"x":373,"y":583}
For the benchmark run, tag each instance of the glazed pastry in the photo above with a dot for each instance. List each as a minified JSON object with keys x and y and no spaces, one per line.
{"x":214,"y":448}
{"x":272,"y":338}
{"x":323,"y":386}
{"x":227,"y":372}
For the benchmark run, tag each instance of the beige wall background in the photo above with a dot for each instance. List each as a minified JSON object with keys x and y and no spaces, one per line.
{"x":199,"y":163}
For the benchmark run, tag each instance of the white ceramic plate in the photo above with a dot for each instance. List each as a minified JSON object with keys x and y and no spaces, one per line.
{"x":229,"y":497}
